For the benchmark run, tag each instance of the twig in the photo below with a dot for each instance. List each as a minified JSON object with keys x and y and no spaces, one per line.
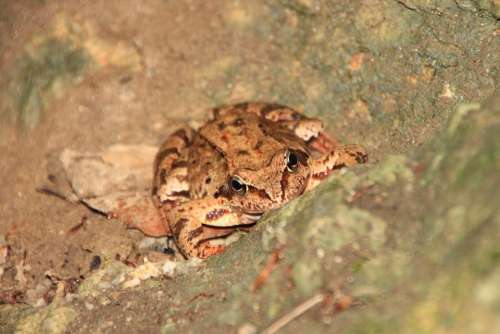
{"x":295,"y":313}
{"x":272,"y":261}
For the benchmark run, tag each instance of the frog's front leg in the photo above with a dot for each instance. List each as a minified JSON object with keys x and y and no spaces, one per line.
{"x":195,"y":222}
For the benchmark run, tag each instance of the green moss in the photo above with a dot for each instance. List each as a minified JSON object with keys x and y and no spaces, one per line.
{"x":43,"y":73}
{"x":390,"y":170}
{"x":108,"y":271}
{"x":454,"y":272}
{"x":307,"y":276}
{"x":11,"y":315}
{"x":50,"y":320}
{"x":342,"y":227}
{"x":382,"y":23}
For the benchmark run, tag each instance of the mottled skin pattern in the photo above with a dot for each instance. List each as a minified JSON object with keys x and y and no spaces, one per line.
{"x":250,"y":158}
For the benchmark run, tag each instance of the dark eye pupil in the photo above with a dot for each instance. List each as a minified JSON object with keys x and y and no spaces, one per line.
{"x":237,"y":185}
{"x":293,"y":160}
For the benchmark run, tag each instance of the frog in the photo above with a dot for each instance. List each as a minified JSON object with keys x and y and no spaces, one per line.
{"x":247,"y":159}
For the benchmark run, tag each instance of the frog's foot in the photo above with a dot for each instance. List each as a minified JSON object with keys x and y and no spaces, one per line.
{"x":195,"y":222}
{"x":352,"y":154}
{"x":342,"y":156}
{"x":197,"y":242}
{"x":141,"y":214}
{"x":113,"y":182}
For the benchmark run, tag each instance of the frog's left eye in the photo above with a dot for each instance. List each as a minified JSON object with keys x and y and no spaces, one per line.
{"x":292,"y":161}
{"x":237,"y":185}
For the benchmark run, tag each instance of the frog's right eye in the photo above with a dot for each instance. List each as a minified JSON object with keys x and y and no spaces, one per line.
{"x":237,"y":185}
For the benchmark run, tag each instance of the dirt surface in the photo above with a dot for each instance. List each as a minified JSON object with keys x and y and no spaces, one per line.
{"x":86,"y":76}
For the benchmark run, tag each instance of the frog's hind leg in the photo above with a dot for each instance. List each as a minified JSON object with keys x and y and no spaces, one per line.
{"x":308,"y":129}
{"x":328,"y":154}
{"x":142,"y":213}
{"x":303,"y":126}
{"x":332,"y":153}
{"x":341,"y":156}
{"x":170,"y":167}
{"x":171,"y":149}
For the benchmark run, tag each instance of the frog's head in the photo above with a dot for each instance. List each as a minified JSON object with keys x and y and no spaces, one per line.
{"x":281,"y":179}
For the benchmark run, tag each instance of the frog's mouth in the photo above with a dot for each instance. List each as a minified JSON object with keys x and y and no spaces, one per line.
{"x":250,"y":218}
{"x":247,"y":222}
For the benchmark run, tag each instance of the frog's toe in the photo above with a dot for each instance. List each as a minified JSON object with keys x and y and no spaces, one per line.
{"x":150,"y":227}
{"x":354,"y":154}
{"x":210,"y":250}
{"x":143,"y":216}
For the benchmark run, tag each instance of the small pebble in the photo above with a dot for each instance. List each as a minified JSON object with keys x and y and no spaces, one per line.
{"x":247,"y":328}
{"x":89,"y":306}
{"x":169,"y":268}
{"x":118,"y":279}
{"x":132,"y":282}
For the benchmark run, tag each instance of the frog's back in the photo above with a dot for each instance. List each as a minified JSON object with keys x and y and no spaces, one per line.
{"x":242,"y":138}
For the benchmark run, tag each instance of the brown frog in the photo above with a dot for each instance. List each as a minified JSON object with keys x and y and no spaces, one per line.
{"x":248,"y":159}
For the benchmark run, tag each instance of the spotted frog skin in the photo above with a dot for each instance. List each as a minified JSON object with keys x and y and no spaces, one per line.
{"x":248,"y":159}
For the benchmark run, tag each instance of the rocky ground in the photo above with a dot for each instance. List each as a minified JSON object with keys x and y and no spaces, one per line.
{"x":405,"y":243}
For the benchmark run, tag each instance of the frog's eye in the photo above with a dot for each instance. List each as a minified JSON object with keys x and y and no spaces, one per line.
{"x":292,"y":161}
{"x":237,"y":185}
